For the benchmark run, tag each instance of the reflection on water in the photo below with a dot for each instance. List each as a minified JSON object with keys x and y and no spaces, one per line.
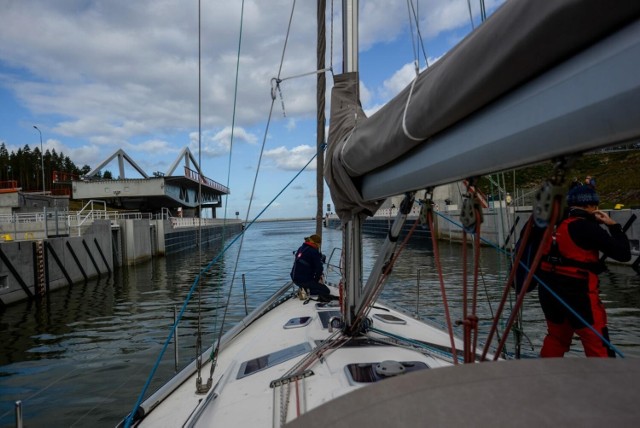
{"x":83,"y":355}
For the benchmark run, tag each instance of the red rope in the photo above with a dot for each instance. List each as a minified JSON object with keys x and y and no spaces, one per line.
{"x":494,"y":326}
{"x":555,"y":213}
{"x":536,"y":261}
{"x":470,"y":320}
{"x":297,"y":399}
{"x":474,"y":319}
{"x":464,"y":274}
{"x":445,"y":303}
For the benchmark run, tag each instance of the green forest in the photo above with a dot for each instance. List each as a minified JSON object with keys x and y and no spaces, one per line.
{"x":25,"y":168}
{"x":616,"y":173}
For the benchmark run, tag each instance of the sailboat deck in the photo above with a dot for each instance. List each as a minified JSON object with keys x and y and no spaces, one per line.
{"x":249,"y":364}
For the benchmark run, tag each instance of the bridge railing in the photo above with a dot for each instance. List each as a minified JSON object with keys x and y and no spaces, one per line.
{"x":195,"y":176}
{"x":35,"y":224}
{"x":178,"y":222}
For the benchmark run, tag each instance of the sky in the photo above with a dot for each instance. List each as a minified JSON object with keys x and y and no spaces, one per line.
{"x":97,"y":76}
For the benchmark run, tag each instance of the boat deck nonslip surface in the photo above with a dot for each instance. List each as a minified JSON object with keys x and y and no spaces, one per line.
{"x":243,"y":392}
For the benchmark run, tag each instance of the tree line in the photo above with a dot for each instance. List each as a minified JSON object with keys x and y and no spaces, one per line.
{"x":25,"y":167}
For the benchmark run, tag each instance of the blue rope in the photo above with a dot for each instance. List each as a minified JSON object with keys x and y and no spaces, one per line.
{"x":542,"y":283}
{"x":129,"y":418}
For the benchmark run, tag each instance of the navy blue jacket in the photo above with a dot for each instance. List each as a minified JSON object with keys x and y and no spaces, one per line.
{"x":307,"y":266}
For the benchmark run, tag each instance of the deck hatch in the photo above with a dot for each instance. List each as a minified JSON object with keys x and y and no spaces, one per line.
{"x":264,"y":362}
{"x":366,"y":372}
{"x":389,"y":319}
{"x":297,"y":322}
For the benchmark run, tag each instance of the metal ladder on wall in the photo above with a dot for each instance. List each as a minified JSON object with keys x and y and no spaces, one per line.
{"x":41,"y":285}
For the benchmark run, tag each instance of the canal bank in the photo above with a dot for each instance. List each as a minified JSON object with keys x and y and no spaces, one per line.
{"x":32,"y":268}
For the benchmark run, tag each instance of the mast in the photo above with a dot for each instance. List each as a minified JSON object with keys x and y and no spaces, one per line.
{"x":352,"y":236}
{"x":320,"y":97}
{"x":350,"y":36}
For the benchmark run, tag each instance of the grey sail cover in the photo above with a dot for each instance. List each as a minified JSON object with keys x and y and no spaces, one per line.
{"x":521,"y":40}
{"x":346,"y":113}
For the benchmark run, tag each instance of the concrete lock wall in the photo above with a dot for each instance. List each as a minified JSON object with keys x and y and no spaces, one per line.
{"x":102,"y":246}
{"x":137,"y":240}
{"x":21,"y":257}
{"x":65,"y":261}
{"x":142,"y":239}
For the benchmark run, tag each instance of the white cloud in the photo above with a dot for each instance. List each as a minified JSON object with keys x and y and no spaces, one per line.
{"x":371,"y":110}
{"x":119,"y":69}
{"x":219,"y":143}
{"x":292,"y":159}
{"x":100,"y":75}
{"x":82,"y":155}
{"x":365,"y":94}
{"x":400,"y":79}
{"x":154,"y":146}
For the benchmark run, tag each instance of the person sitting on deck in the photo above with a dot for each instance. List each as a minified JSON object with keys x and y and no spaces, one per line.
{"x":570,"y":267}
{"x":307,"y":268}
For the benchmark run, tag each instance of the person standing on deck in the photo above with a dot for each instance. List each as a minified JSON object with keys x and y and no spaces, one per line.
{"x":307,"y":268}
{"x":570,"y":267}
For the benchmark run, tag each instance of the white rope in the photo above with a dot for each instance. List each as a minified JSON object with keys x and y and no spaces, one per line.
{"x":404,"y":114}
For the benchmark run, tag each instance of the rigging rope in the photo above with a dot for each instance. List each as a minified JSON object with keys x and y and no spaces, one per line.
{"x":129,"y":418}
{"x":548,"y":213}
{"x":428,"y":206}
{"x":555,"y":215}
{"x":517,"y":261}
{"x":473,"y":27}
{"x":215,"y":351}
{"x":275,"y":81}
{"x":195,"y":283}
{"x":321,"y":88}
{"x":471,"y":215}
{"x":233,"y":119}
{"x":413,"y":16}
{"x":198,"y":347}
{"x":505,"y":222}
{"x":431,"y":350}
{"x":413,"y":43}
{"x":383,"y":278}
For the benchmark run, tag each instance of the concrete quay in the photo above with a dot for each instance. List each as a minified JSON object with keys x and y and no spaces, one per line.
{"x":32,"y":268}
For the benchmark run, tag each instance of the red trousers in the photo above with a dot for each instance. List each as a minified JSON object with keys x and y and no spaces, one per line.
{"x":558,"y":339}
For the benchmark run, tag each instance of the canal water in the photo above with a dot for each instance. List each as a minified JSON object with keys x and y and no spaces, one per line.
{"x":82,"y":356}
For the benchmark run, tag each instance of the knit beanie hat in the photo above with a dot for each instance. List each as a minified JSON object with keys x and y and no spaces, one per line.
{"x":315,"y":239}
{"x":581,"y":196}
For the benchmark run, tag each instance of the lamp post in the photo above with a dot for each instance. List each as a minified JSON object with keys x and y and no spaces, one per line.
{"x":41,"y":158}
